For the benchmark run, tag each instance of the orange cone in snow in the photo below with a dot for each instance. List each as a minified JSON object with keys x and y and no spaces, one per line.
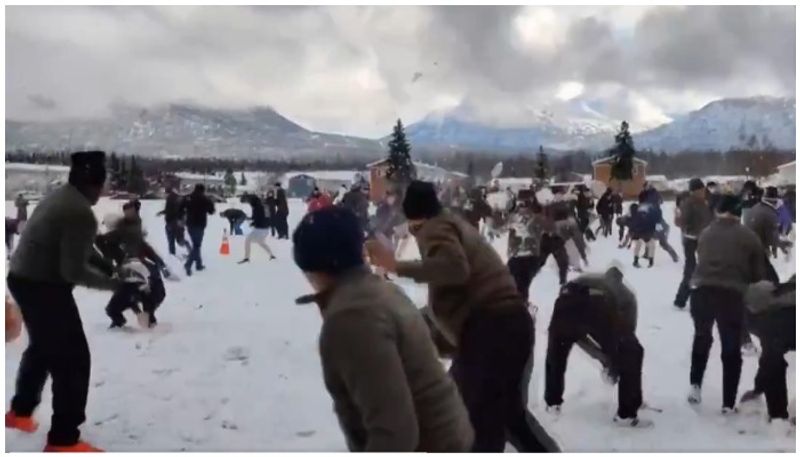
{"x":225,"y":249}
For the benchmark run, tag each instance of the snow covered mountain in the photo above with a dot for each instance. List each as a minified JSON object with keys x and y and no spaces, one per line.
{"x":180,"y":130}
{"x":757,"y":122}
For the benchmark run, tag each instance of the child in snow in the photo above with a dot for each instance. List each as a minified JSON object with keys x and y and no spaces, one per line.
{"x":598,"y":313}
{"x":379,"y":363}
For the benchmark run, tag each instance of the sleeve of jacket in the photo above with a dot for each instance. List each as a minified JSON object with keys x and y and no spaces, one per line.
{"x":77,"y":248}
{"x":363,"y":354}
{"x":444,"y":262}
{"x":757,"y":262}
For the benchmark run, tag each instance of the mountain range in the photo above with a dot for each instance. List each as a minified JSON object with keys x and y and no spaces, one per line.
{"x":183,"y":130}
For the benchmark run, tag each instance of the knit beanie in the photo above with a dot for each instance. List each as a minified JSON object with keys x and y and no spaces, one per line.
{"x":88,"y":168}
{"x":329,"y":240}
{"x":696,"y":184}
{"x":730,"y":204}
{"x":421,"y":201}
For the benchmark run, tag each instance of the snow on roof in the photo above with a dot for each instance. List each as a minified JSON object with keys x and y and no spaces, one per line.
{"x":335,"y":175}
{"x":198,"y":177}
{"x":788,"y":164}
{"x":36,"y":167}
{"x":422,"y":165}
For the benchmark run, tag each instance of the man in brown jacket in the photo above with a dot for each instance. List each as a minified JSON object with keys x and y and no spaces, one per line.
{"x":390,"y":392}
{"x":692,"y":217}
{"x":476,"y":307}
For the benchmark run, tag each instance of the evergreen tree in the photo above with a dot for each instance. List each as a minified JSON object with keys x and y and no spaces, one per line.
{"x":542,"y":169}
{"x":401,"y":169}
{"x":122,"y":176}
{"x":136,"y":182}
{"x":230,"y":181}
{"x":243,"y":180}
{"x":470,"y":174}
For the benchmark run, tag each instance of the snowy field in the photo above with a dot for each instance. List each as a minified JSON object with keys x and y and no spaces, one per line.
{"x":234,"y":365}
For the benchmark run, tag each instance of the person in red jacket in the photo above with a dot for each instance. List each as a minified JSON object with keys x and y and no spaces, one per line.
{"x":318,"y":200}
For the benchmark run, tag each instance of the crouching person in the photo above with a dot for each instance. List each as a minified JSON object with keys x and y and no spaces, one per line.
{"x":390,"y":392}
{"x":598,"y":312}
{"x":772,"y":317}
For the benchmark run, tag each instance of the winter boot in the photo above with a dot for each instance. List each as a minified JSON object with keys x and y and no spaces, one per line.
{"x":652,"y":261}
{"x":23,"y":424}
{"x":728,"y":410}
{"x":633,"y":422}
{"x":695,"y":396}
{"x":553,"y":409}
{"x":188,"y":269}
{"x":243,"y":261}
{"x":636,"y":262}
{"x":80,"y":446}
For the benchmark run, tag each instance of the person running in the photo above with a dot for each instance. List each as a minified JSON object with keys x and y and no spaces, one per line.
{"x":174,"y":216}
{"x":730,"y":258}
{"x":235,"y":218}
{"x":598,"y":313}
{"x":197,"y":207}
{"x":55,"y":253}
{"x":260,"y":229}
{"x":692,"y":217}
{"x":271,"y":205}
{"x":281,"y":212}
{"x":379,"y":363}
{"x":605,"y":209}
{"x":479,"y":312}
{"x":525,"y":232}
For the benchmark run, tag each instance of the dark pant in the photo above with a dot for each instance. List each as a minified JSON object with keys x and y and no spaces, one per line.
{"x":777,"y":331}
{"x":664,"y":243}
{"x":236,"y":226}
{"x":57,"y":346}
{"x":128,"y":296}
{"x":524,"y":269}
{"x":175,"y":235}
{"x":492,"y":370}
{"x":574,"y":318}
{"x":689,"y":264}
{"x":554,"y":244}
{"x":282,"y":225}
{"x":196,"y":235}
{"x":726,"y":308}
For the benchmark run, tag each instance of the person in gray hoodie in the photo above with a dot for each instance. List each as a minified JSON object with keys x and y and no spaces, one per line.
{"x":763,"y":220}
{"x":730,"y":258}
{"x":56,"y":253}
{"x":692,"y":216}
{"x":772,"y":317}
{"x":598,"y":313}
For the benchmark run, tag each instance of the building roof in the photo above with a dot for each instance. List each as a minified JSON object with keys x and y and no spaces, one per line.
{"x":786,"y":165}
{"x":421,"y":165}
{"x":609,"y":159}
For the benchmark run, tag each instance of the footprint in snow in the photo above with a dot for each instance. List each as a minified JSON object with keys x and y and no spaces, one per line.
{"x":306,"y":433}
{"x":237,"y":354}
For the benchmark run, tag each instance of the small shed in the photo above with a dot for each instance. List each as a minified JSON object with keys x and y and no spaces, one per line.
{"x":629,"y":188}
{"x":300,"y":186}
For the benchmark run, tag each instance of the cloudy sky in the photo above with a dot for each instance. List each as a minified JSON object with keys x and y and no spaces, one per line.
{"x":355,"y":69}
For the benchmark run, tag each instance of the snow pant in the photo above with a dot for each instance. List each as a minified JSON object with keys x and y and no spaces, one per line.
{"x":196,"y":234}
{"x":492,"y":370}
{"x":524,"y":269}
{"x":605,"y":224}
{"x":621,"y":228}
{"x":726,"y":308}
{"x":689,"y":264}
{"x":56,"y":346}
{"x":777,"y":331}
{"x":258,"y":236}
{"x":128,"y":296}
{"x":175,"y":235}
{"x":236,"y":226}
{"x":576,"y":316}
{"x":554,"y":244}
{"x":282,"y":226}
{"x":661,"y":236}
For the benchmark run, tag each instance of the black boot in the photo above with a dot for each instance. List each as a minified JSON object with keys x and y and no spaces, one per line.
{"x":636,"y":261}
{"x":652,"y":260}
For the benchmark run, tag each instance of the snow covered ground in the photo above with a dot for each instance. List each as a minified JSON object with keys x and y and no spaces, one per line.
{"x":234,"y":365}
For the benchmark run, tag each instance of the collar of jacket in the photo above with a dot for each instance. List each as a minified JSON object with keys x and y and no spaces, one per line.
{"x":771,"y":202}
{"x":323,"y":298}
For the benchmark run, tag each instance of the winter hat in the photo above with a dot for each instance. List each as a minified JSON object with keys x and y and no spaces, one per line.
{"x":329,"y":240}
{"x":771,"y":193}
{"x":421,"y":201}
{"x":730,"y":204}
{"x":696,"y":184}
{"x":88,"y":168}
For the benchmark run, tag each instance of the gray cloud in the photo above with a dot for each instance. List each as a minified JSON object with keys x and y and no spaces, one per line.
{"x":351,"y":69}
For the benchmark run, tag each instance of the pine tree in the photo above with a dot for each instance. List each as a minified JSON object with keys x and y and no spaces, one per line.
{"x":230,"y":181}
{"x":122,"y":176}
{"x":136,"y":182}
{"x":542,"y":170}
{"x":401,"y":169}
{"x":243,"y":180}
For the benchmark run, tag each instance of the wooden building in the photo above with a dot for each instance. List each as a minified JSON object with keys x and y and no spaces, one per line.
{"x":630,"y":188}
{"x":378,"y":184}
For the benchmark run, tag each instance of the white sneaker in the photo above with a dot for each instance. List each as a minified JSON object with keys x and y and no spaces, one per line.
{"x":633,"y":422}
{"x":728,"y":410}
{"x":695,"y":396}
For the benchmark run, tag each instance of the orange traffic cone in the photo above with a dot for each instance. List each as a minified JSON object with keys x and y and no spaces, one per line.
{"x":225,"y":249}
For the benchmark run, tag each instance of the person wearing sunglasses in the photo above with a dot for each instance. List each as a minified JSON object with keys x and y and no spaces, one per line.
{"x":477,"y":309}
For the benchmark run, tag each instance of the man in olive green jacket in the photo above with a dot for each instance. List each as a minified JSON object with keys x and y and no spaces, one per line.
{"x":390,"y":392}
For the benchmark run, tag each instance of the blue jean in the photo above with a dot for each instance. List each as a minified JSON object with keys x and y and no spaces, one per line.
{"x":196,"y":235}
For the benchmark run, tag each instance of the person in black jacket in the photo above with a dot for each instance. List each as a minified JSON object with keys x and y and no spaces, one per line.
{"x":281,"y":213}
{"x":197,"y":207}
{"x":173,"y":213}
{"x":605,"y":209}
{"x":271,"y":205}
{"x":260,"y":225}
{"x":235,"y":217}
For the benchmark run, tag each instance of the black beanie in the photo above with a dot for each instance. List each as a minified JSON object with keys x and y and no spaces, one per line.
{"x":421,"y":201}
{"x":696,"y":184}
{"x":329,"y":240}
{"x":771,"y":193}
{"x":730,"y":204}
{"x":88,"y":168}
